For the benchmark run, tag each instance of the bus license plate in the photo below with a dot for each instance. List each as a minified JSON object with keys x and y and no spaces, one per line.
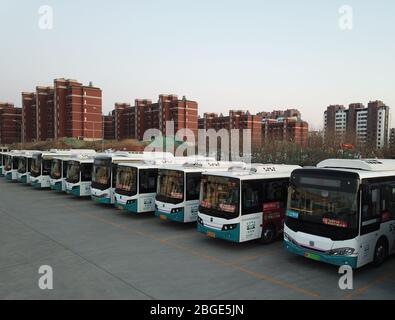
{"x":312,"y":256}
{"x":211,"y":234}
{"x":163,"y":217}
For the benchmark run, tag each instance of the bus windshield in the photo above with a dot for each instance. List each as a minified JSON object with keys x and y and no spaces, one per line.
{"x":22,"y":165}
{"x":170,"y":186}
{"x":56,"y":169}
{"x":126,"y":181}
{"x":35,"y":170}
{"x":330,"y":203}
{"x":101,"y":174}
{"x":8,"y":163}
{"x":73,"y":172}
{"x":220,"y":197}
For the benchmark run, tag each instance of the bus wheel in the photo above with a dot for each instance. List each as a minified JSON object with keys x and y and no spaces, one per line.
{"x":380,"y":252}
{"x":268,"y":234}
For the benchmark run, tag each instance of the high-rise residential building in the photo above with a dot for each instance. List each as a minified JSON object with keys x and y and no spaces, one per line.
{"x":183,"y":112}
{"x":335,"y":123}
{"x":144,"y":114}
{"x":392,"y":140}
{"x":285,"y":129}
{"x":29,"y":122}
{"x":124,"y":121}
{"x":132,"y":122}
{"x":377,"y":125}
{"x":10,"y":123}
{"x":68,"y":109}
{"x":109,"y":126}
{"x":44,"y":113}
{"x":357,"y":125}
{"x":78,"y":110}
{"x":265,"y":127}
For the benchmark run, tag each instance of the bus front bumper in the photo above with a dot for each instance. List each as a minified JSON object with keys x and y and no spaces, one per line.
{"x":176,"y":216}
{"x":9,"y":176}
{"x":101,"y":200}
{"x":35,"y":184}
{"x":57,"y":187}
{"x":75,"y":191}
{"x":228,"y":235}
{"x":130,"y":205}
{"x":351,"y":261}
{"x":22,"y":179}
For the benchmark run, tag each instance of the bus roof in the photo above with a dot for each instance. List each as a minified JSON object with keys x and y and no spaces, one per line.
{"x":257,"y":171}
{"x":202,"y":166}
{"x":365,"y":168}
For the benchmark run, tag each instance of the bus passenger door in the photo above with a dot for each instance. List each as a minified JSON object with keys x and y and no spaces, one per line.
{"x":370,"y":222}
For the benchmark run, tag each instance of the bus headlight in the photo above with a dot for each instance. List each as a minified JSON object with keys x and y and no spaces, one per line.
{"x":176,"y":210}
{"x":228,"y":227}
{"x":200,"y":220}
{"x":342,"y":252}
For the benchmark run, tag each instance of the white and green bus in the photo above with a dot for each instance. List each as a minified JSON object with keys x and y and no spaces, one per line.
{"x":105,"y":171}
{"x":79,"y":175}
{"x":3,"y":151}
{"x":136,"y":184}
{"x":244,"y":205}
{"x":11,"y":162}
{"x":58,"y":173}
{"x":24,"y":166}
{"x":178,"y":190}
{"x":342,"y":212}
{"x":40,"y":170}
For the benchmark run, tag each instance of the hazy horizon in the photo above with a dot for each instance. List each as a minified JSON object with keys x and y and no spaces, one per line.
{"x":252,"y":55}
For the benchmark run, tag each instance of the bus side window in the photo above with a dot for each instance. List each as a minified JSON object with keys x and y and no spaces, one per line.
{"x":114,"y":175}
{"x":148,"y":179}
{"x":86,"y":172}
{"x":276,"y":192}
{"x":391,"y":201}
{"x":65,"y":168}
{"x":252,"y":197}
{"x":193,"y":186}
{"x":371,"y":206}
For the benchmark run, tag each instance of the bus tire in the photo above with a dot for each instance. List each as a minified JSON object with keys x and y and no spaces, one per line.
{"x":380,"y":252}
{"x":268,"y":234}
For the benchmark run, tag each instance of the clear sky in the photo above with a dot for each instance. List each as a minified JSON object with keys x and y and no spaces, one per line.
{"x":251,"y":54}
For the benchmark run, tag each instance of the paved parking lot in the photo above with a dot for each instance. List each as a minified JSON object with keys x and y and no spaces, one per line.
{"x":98,"y":252}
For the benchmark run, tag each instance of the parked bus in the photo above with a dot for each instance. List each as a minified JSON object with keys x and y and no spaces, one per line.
{"x":105,"y":172}
{"x":11,"y":161}
{"x":41,"y":166}
{"x":178,"y":190}
{"x":79,"y":175}
{"x":58,"y":173}
{"x":136,"y":184}
{"x":342,"y":212}
{"x":243,"y":205}
{"x":24,"y":166}
{"x":3,"y":153}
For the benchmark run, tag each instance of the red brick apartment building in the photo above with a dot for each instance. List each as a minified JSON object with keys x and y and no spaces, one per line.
{"x":109,"y":126}
{"x":78,"y":110}
{"x":44,"y":113}
{"x":285,"y":129}
{"x":29,"y":122}
{"x":68,"y":109}
{"x":10,"y":123}
{"x":236,"y":119}
{"x":131,"y":122}
{"x":265,"y":127}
